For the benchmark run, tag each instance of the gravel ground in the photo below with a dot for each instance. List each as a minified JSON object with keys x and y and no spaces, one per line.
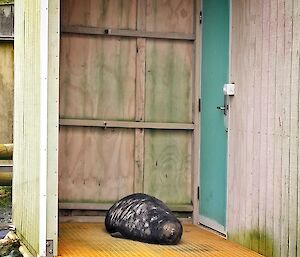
{"x":5,"y":205}
{"x":9,"y":247}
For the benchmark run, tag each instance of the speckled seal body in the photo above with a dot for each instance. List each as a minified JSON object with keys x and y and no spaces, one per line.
{"x":143,"y":218}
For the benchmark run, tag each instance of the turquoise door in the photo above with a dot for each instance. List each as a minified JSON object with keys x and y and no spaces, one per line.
{"x":214,"y":74}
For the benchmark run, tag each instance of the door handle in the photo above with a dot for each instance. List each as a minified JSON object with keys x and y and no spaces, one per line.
{"x":223,"y":108}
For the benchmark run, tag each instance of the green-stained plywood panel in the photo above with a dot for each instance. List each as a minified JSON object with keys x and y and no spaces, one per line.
{"x":97,"y":74}
{"x":215,"y":49}
{"x":170,"y":16}
{"x":99,"y":13}
{"x":95,"y":164}
{"x":168,"y":165}
{"x":97,"y":78}
{"x":168,"y":95}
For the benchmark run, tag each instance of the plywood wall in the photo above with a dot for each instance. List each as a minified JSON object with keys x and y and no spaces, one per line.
{"x":97,"y":81}
{"x":264,"y":154}
{"x":126,"y":78}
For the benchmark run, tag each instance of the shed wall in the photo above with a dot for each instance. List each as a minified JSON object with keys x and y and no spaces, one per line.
{"x":33,"y":223}
{"x":263,"y":172}
{"x":52,"y":151}
{"x":26,"y":123}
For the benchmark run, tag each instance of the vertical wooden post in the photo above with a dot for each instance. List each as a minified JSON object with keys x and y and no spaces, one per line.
{"x":140,"y":98}
{"x":196,"y":133}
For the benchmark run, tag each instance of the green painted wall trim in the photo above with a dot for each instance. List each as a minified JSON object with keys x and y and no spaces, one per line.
{"x":214,"y":73}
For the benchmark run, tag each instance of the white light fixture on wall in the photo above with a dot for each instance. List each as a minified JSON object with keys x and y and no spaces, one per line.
{"x":229,"y":89}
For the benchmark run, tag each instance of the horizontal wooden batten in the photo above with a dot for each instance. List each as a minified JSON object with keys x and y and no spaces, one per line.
{"x":6,"y":167}
{"x":106,"y":206}
{"x":7,"y":38}
{"x":100,"y":219}
{"x":125,"y":124}
{"x":89,"y":219}
{"x":125,"y":33}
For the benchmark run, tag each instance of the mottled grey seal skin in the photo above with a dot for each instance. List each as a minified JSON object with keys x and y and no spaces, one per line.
{"x":143,"y":218}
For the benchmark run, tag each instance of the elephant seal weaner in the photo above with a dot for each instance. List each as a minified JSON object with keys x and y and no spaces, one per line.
{"x":143,"y":218}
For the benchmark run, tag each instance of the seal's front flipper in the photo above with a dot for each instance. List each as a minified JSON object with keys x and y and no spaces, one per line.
{"x":117,"y":235}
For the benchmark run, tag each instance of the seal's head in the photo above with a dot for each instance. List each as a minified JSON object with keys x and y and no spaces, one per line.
{"x":170,"y":232}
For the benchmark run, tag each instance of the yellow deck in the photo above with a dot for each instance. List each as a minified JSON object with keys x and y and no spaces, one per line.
{"x":91,"y":240}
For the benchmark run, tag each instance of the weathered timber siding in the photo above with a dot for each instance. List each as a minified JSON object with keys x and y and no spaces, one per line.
{"x":264,"y":156}
{"x":6,"y":74}
{"x":6,"y":91}
{"x":53,"y":112}
{"x":6,"y":20}
{"x":27,"y":121}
